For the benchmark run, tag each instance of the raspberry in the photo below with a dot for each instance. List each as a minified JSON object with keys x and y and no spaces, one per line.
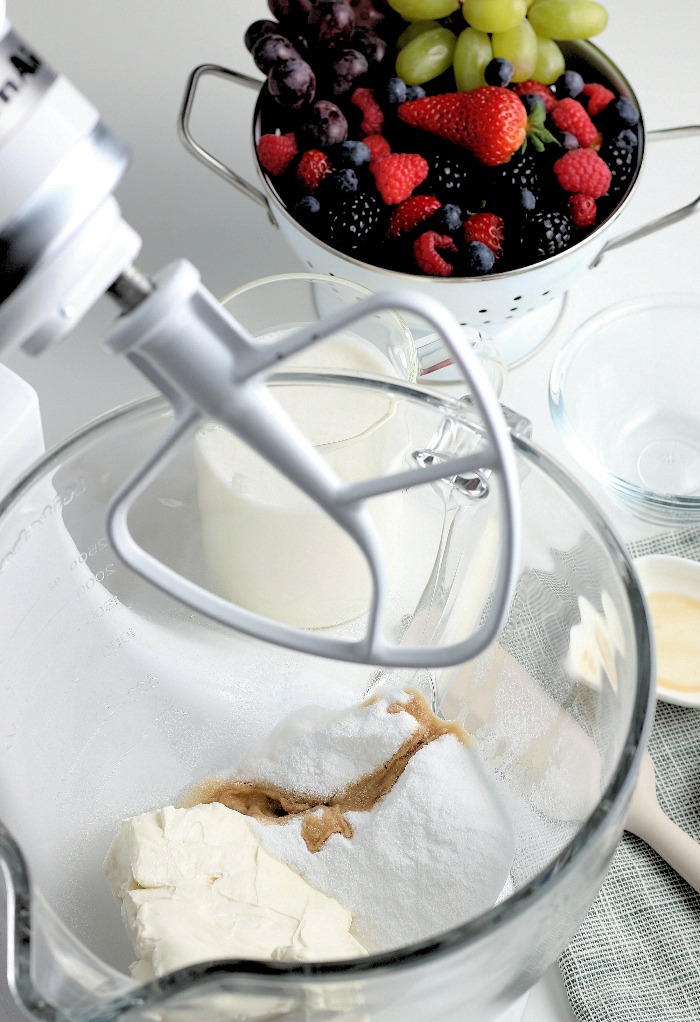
{"x":427,"y":257}
{"x":582,"y":170}
{"x":313,"y":167}
{"x":582,"y":209}
{"x":537,"y":89}
{"x":486,"y":228}
{"x":569,"y":115}
{"x":411,"y":212}
{"x":378,"y":148}
{"x":372,"y":116}
{"x":398,"y":174}
{"x":598,"y":97}
{"x":276,"y":152}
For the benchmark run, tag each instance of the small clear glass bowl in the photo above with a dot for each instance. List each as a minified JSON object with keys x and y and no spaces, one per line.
{"x":623,"y":394}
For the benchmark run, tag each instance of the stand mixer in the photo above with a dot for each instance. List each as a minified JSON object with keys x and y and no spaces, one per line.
{"x":69,"y":245}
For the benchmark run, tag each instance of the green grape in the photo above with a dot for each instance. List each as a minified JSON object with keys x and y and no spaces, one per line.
{"x":427,"y":56}
{"x":550,"y":61}
{"x":411,"y":31}
{"x":519,"y":46}
{"x":494,"y":15}
{"x":567,"y":19}
{"x":472,"y":54}
{"x":424,"y":10}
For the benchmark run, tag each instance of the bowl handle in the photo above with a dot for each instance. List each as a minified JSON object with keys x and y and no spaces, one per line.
{"x":202,"y":154}
{"x":660,"y":135}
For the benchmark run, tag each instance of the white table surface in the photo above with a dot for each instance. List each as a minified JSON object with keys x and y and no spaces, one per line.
{"x":132,"y":58}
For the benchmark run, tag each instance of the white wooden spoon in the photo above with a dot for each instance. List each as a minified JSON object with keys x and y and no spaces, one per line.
{"x":648,"y":821}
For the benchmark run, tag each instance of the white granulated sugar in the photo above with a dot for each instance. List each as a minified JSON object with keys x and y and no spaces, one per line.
{"x":321,"y":752}
{"x":435,"y":851}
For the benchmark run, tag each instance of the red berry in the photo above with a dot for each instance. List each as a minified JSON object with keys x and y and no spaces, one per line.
{"x":582,"y":209}
{"x":582,"y":170}
{"x":313,"y":167}
{"x":411,"y":212}
{"x":536,"y":89}
{"x":598,"y":97}
{"x":398,"y":174}
{"x":373,"y":117}
{"x":378,"y":147}
{"x":486,"y":228}
{"x":490,"y":121}
{"x":569,"y":115}
{"x":428,"y":259}
{"x":276,"y":152}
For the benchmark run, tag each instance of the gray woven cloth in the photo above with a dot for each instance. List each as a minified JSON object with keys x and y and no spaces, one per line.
{"x":636,"y":956}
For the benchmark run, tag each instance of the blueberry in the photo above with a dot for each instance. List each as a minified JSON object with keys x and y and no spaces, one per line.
{"x":627,"y":140}
{"x":569,"y":141}
{"x":620,"y":113}
{"x":396,"y":91}
{"x":415,"y":92}
{"x":447,"y":218}
{"x":351,"y":154}
{"x":499,"y":72}
{"x":530,"y":100}
{"x":527,"y":200}
{"x":306,"y":210}
{"x":341,"y":182}
{"x":478,"y":259}
{"x":569,"y":84}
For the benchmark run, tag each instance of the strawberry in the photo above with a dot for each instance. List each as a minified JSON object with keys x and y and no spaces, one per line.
{"x":569,"y":115}
{"x":490,"y":121}
{"x":582,"y":170}
{"x":486,"y":228}
{"x":313,"y":167}
{"x":411,"y":212}
{"x":582,"y":209}
{"x":372,"y":115}
{"x":398,"y":174}
{"x":276,"y":152}
{"x":598,"y":97}
{"x":536,"y":89}
{"x":427,"y":257}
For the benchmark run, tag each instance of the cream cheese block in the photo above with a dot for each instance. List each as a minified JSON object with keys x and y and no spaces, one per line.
{"x":196,"y":885}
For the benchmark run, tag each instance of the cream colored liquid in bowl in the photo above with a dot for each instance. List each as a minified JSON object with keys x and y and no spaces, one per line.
{"x":676,"y":622}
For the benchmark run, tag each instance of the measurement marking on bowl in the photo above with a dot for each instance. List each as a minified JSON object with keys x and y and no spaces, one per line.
{"x":670,"y":466}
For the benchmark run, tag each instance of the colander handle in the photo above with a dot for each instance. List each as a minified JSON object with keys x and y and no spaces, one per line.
{"x":660,"y":135}
{"x":202,"y":153}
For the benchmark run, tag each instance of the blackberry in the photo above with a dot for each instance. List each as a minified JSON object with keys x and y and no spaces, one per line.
{"x":620,"y":154}
{"x":448,"y":176}
{"x":544,"y":234}
{"x":519,"y":172}
{"x":354,"y":221}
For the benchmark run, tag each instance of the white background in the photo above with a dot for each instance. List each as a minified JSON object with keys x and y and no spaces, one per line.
{"x":132,"y":58}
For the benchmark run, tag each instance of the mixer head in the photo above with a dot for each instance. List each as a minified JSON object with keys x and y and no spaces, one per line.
{"x":64,"y":244}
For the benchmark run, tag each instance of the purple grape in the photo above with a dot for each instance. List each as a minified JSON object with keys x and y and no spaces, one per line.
{"x":369,"y":43}
{"x":257,"y":30}
{"x":366,"y":14}
{"x":332,"y":22}
{"x":290,"y":10}
{"x":272,"y":49}
{"x":347,"y":68}
{"x":326,"y":124}
{"x":292,"y":83}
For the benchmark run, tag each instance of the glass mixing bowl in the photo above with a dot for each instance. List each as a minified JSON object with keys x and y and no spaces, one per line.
{"x":623,"y":395}
{"x":115,"y":699}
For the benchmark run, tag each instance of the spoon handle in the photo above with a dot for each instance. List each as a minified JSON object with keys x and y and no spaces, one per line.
{"x":676,"y":847}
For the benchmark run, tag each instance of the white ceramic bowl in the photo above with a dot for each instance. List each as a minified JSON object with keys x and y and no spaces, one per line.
{"x":624,"y":396}
{"x":672,"y":588}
